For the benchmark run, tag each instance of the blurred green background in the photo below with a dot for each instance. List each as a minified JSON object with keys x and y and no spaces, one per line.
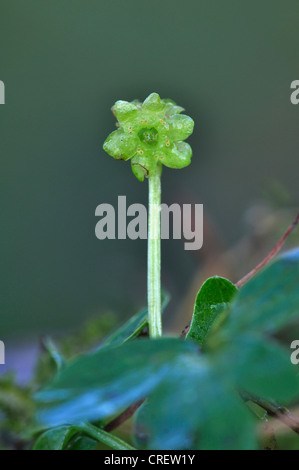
{"x":64,"y":63}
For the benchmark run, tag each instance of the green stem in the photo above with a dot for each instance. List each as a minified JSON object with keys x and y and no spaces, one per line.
{"x":104,"y":437}
{"x":154,"y":255}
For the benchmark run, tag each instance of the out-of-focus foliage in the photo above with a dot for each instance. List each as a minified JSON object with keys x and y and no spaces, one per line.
{"x":16,"y":413}
{"x":196,"y":388}
{"x":17,"y":423}
{"x":194,"y":398}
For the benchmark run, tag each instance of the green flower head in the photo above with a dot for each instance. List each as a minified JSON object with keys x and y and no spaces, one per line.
{"x":150,"y":134}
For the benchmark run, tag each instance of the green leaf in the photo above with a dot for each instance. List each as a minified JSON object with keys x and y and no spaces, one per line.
{"x":269,"y":301}
{"x":81,"y":443}
{"x":195,"y":408}
{"x":56,"y":438}
{"x":60,"y":438}
{"x":211,"y":300}
{"x":105,"y":437}
{"x":98,"y":385}
{"x":262,"y":367}
{"x":134,"y":326}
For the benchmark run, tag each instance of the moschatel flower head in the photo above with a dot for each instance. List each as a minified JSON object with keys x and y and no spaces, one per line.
{"x":150,"y":134}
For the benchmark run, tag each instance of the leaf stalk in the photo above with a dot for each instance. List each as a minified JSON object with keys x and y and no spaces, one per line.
{"x":154,"y":254}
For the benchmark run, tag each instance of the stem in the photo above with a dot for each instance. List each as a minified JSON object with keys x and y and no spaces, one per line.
{"x":270,"y":256}
{"x":104,"y":437}
{"x":154,"y":255}
{"x":123,"y":417}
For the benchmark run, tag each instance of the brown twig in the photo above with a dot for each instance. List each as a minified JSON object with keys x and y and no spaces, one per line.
{"x":186,"y":330}
{"x":124,"y":416}
{"x":270,"y":256}
{"x":270,"y":441}
{"x":275,"y":411}
{"x":282,"y":414}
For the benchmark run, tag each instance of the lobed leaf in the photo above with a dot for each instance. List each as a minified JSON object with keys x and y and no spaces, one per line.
{"x":97,"y":385}
{"x":195,"y":408}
